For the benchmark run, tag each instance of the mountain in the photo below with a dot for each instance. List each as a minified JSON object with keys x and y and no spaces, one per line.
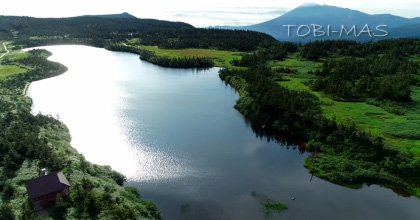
{"x":122,"y":15}
{"x":335,"y":19}
{"x":410,"y":31}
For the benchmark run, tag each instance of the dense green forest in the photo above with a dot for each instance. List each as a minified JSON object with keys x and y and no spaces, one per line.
{"x":95,"y":31}
{"x":272,"y":51}
{"x":102,"y":31}
{"x":29,"y":143}
{"x":395,"y":48}
{"x":382,"y":77}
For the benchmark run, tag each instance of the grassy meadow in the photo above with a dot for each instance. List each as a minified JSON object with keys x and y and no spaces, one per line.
{"x":401,"y":131}
{"x":221,"y":58}
{"x":8,"y":70}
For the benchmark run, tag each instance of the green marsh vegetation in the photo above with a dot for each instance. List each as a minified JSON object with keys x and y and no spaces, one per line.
{"x":356,"y":110}
{"x":269,"y":206}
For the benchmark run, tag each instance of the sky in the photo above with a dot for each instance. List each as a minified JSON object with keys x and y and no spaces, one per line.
{"x":196,"y":12}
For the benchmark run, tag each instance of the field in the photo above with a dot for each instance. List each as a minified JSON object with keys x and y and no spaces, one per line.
{"x":302,"y":66}
{"x":221,"y":58}
{"x":8,"y":70}
{"x":401,"y":132}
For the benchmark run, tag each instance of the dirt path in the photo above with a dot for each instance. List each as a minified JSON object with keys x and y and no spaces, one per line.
{"x":7,"y":51}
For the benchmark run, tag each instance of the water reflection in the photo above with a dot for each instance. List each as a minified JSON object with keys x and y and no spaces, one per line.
{"x":176,"y":135}
{"x":267,"y":133}
{"x":88,"y":100}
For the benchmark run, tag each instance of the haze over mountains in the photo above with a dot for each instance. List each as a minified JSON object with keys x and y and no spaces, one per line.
{"x":311,"y":21}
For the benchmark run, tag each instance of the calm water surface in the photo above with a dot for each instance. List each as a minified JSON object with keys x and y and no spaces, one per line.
{"x":175,"y":135}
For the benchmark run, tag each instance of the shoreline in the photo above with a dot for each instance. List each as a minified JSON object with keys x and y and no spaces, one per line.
{"x":28,"y":84}
{"x":78,"y":170}
{"x":25,"y":90}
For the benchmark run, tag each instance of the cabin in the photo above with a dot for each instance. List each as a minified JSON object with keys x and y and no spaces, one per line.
{"x":43,"y":190}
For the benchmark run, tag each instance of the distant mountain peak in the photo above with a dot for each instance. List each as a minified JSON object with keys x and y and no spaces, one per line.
{"x":122,"y":15}
{"x":127,"y":15}
{"x":309,"y":4}
{"x":311,"y":22}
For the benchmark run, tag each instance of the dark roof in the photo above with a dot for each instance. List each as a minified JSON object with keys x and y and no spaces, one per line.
{"x":45,"y":185}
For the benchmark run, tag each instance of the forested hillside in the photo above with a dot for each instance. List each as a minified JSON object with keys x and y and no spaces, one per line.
{"x":102,"y":31}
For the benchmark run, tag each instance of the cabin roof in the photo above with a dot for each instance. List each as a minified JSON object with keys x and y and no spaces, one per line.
{"x":45,"y":185}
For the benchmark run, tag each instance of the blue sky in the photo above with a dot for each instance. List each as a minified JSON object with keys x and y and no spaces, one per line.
{"x":195,"y":12}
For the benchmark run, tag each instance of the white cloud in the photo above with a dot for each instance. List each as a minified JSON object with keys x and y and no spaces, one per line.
{"x":198,"y":13}
{"x":233,"y":17}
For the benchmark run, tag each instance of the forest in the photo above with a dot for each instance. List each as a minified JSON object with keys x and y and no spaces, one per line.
{"x":395,"y":48}
{"x":381,"y":77}
{"x":101,"y":32}
{"x":31,"y":142}
{"x":272,"y":51}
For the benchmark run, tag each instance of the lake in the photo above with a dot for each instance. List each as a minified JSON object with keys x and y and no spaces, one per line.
{"x":176,"y":136}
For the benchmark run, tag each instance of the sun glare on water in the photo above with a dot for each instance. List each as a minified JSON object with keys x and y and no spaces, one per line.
{"x":88,"y":101}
